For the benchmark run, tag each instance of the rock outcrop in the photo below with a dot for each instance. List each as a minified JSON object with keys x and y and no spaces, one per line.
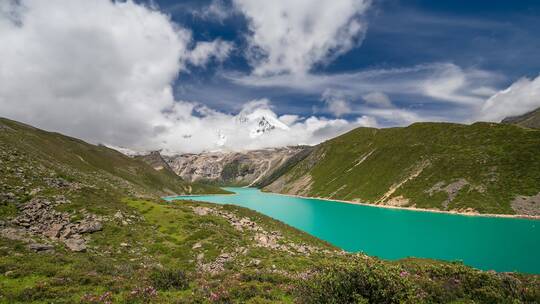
{"x":232,"y":168}
{"x":527,"y":120}
{"x":38,"y":217}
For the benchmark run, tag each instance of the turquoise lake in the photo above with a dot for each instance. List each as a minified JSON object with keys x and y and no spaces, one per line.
{"x":488,"y":243}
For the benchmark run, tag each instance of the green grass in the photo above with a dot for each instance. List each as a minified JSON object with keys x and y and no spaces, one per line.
{"x":498,"y":162}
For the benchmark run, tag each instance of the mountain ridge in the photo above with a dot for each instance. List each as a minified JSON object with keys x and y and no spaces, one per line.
{"x":528,"y":120}
{"x":449,"y":167}
{"x":247,"y":168}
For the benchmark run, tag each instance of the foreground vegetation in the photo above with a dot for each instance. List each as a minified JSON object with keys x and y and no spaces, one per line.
{"x":146,"y":250}
{"x":484,"y":167}
{"x":171,"y":254}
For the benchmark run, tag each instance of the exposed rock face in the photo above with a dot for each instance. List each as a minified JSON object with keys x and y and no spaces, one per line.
{"x":528,"y":120}
{"x":155,"y":160}
{"x":39,"y":218}
{"x":527,"y":205}
{"x":451,"y":189}
{"x":232,"y":168}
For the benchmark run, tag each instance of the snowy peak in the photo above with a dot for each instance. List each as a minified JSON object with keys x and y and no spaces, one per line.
{"x":262,"y":127}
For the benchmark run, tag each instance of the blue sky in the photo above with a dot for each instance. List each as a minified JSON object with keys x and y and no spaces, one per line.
{"x":494,"y":36}
{"x":189,"y":76}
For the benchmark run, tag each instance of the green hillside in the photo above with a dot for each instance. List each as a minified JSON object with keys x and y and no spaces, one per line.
{"x":484,"y":167}
{"x":52,"y":155}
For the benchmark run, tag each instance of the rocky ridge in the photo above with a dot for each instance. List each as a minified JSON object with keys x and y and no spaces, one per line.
{"x":529,"y":120}
{"x":232,"y":168}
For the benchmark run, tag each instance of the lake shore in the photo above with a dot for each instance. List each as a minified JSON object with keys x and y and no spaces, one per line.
{"x":179,"y":196}
{"x":518,"y":216}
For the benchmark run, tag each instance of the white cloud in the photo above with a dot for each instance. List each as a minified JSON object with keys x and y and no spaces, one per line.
{"x":216,"y":11}
{"x":95,"y":69}
{"x":102,"y":71}
{"x":378,"y":99}
{"x":211,"y":130}
{"x":292,"y":36}
{"x":456,"y":85}
{"x":521,"y":97}
{"x":206,"y":50}
{"x":367,"y":121}
{"x":336,"y":103}
{"x":444,"y":82}
{"x":289,"y":119}
{"x":417,"y":86}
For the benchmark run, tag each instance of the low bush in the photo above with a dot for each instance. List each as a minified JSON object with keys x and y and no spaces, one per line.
{"x":359,"y":282}
{"x":169,"y":279}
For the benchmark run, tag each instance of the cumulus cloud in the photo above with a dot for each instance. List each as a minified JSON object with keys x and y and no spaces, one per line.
{"x":102,"y":71}
{"x":211,"y":130}
{"x":206,"y":50}
{"x":367,"y":121}
{"x":96,"y":69}
{"x":378,"y":99}
{"x":292,"y":36}
{"x":521,"y":97}
{"x":336,"y":103}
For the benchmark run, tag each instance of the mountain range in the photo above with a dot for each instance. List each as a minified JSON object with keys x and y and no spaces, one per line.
{"x":440,"y":166}
{"x":250,"y":168}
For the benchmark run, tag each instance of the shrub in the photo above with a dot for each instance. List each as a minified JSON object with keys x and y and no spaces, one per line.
{"x":167,"y":279}
{"x":358,"y":282}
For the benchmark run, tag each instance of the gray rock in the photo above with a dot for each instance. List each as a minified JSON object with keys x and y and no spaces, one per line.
{"x":54,"y":231}
{"x":40,"y":247}
{"x":75,"y":244}
{"x":89,"y":226}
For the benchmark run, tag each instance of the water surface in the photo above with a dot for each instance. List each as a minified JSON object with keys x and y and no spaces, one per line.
{"x":501,"y":244}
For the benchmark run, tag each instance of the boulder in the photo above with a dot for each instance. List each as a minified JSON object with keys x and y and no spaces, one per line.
{"x":89,"y":226}
{"x":40,"y":247}
{"x":75,"y":244}
{"x":54,"y":231}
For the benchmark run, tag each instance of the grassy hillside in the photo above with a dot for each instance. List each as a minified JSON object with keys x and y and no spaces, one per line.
{"x":83,"y":224}
{"x":484,"y":167}
{"x":55,"y":155}
{"x":527,"y":120}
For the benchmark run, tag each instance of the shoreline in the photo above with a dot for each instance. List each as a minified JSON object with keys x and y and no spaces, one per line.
{"x":194,"y":195}
{"x":516,"y":216}
{"x":471,"y":214}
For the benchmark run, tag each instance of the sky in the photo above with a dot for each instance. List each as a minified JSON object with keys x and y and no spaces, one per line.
{"x":192,"y":76}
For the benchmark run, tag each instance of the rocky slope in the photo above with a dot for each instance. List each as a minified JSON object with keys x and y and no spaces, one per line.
{"x":41,"y":170}
{"x":84,"y":224}
{"x":235,"y":168}
{"x":527,"y":120}
{"x":486,"y":168}
{"x":156,"y":161}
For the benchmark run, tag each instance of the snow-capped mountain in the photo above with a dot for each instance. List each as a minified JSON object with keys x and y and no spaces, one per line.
{"x":260,"y":121}
{"x":253,"y":124}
